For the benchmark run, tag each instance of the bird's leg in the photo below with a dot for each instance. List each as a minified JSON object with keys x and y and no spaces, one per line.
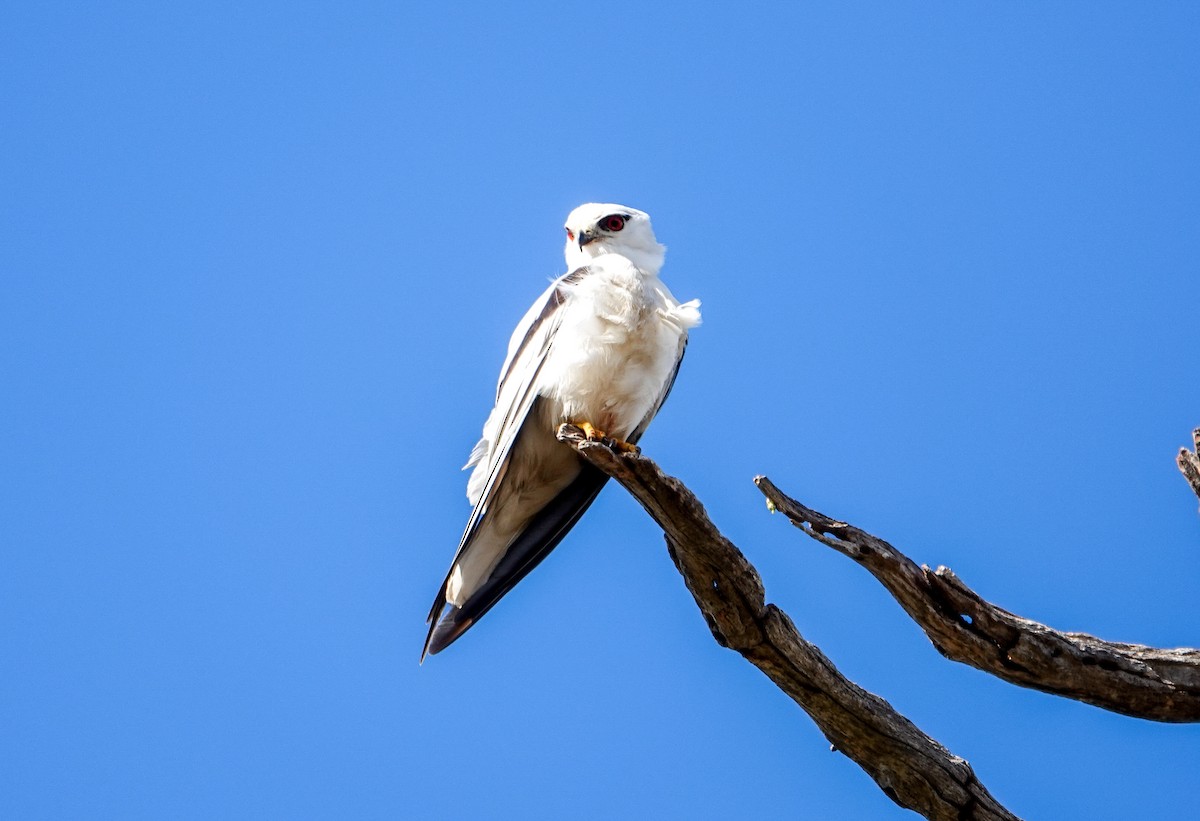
{"x":594,"y":434}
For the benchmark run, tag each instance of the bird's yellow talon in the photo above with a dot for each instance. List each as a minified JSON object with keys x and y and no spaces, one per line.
{"x":625,"y":447}
{"x":591,"y":431}
{"x":594,"y":434}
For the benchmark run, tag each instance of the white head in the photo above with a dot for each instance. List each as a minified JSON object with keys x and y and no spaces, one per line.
{"x":597,"y":228}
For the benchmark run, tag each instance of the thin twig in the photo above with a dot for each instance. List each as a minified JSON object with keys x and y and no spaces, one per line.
{"x":1133,"y":679}
{"x":1189,"y":463}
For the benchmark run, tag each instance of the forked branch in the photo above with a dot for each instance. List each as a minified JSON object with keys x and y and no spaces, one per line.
{"x":910,"y":767}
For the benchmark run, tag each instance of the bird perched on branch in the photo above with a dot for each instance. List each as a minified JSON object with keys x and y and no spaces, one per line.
{"x":599,"y":349}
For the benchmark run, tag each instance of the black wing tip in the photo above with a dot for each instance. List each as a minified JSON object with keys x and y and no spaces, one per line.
{"x":550,"y":525}
{"x":433,"y":620}
{"x":445,"y":631}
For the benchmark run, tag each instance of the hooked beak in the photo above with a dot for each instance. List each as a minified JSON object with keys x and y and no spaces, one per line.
{"x":586,"y":236}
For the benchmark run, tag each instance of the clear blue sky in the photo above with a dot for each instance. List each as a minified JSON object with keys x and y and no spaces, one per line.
{"x":258,"y":265}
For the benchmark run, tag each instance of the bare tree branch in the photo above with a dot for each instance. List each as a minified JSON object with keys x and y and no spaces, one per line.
{"x":1163,"y":685}
{"x":910,"y":767}
{"x":1189,"y":463}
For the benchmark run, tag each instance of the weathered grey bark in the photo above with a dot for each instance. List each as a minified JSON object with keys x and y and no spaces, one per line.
{"x":910,"y":767}
{"x":1163,"y":685}
{"x":1189,"y":463}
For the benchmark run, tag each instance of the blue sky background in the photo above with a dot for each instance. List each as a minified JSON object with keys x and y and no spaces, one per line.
{"x":258,"y":265}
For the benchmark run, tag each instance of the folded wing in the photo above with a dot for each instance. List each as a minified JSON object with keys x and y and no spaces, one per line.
{"x":529,"y":515}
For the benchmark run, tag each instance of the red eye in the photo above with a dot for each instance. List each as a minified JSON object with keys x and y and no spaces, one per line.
{"x":613,"y":222}
{"x":570,"y":235}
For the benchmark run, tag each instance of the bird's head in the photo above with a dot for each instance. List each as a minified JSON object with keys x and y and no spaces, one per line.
{"x":607,"y":228}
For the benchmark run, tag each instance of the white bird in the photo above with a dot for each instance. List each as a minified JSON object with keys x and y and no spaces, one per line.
{"x":600,"y":349}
